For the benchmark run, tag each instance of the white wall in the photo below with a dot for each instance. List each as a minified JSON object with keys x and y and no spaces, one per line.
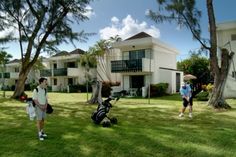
{"x":166,"y":77}
{"x":230,"y":86}
{"x":126,"y":82}
{"x":230,"y":91}
{"x":147,"y":65}
{"x":162,"y":58}
{"x":223,"y":37}
{"x":147,"y":80}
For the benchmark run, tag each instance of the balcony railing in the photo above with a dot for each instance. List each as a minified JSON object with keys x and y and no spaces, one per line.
{"x":60,"y":72}
{"x":137,"y":65}
{"x":126,"y":65}
{"x":6,"y":75}
{"x":45,"y":73}
{"x":56,"y":72}
{"x":14,"y":75}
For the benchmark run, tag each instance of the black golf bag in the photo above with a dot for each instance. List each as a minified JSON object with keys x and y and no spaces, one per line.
{"x":101,"y":113}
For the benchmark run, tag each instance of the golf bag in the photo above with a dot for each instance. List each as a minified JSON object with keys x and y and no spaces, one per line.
{"x":101,"y":113}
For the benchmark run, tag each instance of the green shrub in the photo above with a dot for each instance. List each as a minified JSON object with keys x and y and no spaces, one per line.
{"x":158,"y":89}
{"x":83,"y":88}
{"x":49,"y":88}
{"x":106,"y":89}
{"x":33,"y":85}
{"x":73,"y":88}
{"x":202,"y":96}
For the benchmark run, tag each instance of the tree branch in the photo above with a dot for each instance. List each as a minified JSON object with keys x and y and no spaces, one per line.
{"x":213,"y":39}
{"x":49,"y":30}
{"x":194,"y":34}
{"x":32,"y":10}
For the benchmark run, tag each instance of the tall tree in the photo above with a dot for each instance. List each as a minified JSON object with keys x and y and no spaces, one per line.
{"x":41,"y":26}
{"x":4,"y":58}
{"x":100,"y":51}
{"x":185,"y":13}
{"x":104,"y":52}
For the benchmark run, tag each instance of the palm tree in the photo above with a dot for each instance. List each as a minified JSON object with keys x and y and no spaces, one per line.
{"x":4,"y":58}
{"x":88,"y":61}
{"x":102,"y":50}
{"x":116,"y":38}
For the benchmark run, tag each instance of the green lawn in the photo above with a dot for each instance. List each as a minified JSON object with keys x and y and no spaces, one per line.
{"x":143,"y":130}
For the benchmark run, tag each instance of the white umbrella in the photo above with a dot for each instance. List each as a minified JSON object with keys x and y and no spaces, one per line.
{"x":189,"y":77}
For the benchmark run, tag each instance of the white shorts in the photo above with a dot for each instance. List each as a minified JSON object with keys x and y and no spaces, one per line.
{"x":40,"y":115}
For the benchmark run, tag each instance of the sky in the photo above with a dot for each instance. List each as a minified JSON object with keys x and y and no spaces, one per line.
{"x":108,"y":18}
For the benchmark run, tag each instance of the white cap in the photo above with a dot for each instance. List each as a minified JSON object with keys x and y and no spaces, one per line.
{"x":183,"y":84}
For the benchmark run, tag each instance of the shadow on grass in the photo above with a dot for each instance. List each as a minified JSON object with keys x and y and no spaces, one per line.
{"x":142,"y":130}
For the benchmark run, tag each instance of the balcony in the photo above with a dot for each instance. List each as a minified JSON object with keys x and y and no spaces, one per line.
{"x":46,"y":73}
{"x":60,"y":72}
{"x":53,"y":72}
{"x":136,"y":65}
{"x":14,"y":75}
{"x":74,"y":72}
{"x":6,"y":75}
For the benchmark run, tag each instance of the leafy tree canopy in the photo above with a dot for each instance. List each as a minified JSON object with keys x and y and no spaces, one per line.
{"x":40,"y":26}
{"x":197,"y":66}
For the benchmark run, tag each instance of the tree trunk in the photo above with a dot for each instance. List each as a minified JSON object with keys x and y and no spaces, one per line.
{"x":96,"y":93}
{"x":216,"y":99}
{"x":220,"y":72}
{"x":20,"y":85}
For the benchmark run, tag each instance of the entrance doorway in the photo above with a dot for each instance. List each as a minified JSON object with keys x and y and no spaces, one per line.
{"x":177,"y":82}
{"x":136,"y":81}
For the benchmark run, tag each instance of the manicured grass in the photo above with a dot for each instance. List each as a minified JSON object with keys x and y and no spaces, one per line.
{"x":143,"y":130}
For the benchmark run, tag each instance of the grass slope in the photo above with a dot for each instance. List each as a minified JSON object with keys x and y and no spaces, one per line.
{"x":143,"y":130}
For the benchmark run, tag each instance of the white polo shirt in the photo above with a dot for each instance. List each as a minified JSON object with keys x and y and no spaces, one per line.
{"x":41,"y":96}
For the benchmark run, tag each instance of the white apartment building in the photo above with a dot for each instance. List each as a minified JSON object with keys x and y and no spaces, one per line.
{"x":145,"y":60}
{"x":63,"y":69}
{"x":226,"y":37}
{"x":11,"y":74}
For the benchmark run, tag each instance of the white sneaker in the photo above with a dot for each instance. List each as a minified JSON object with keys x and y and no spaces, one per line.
{"x":44,"y":135}
{"x":190,"y":115}
{"x":181,"y":115}
{"x":41,"y":138}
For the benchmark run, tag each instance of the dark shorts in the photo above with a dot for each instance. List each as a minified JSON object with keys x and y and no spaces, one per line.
{"x":186,"y":103}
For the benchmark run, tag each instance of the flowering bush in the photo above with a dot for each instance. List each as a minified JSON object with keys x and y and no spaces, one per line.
{"x":209,"y":87}
{"x":204,"y":87}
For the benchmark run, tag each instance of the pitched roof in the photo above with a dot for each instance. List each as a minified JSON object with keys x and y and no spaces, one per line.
{"x":77,"y":51}
{"x":62,"y":53}
{"x":65,"y":53}
{"x":14,"y":61}
{"x":139,"y":35}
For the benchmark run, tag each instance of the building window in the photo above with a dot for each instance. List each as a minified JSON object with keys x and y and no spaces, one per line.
{"x":55,"y":66}
{"x":17,"y":69}
{"x":71,"y":65}
{"x":233,"y":37}
{"x":136,"y":54}
{"x":234,"y":74}
{"x":55,"y":81}
{"x":70,"y":81}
